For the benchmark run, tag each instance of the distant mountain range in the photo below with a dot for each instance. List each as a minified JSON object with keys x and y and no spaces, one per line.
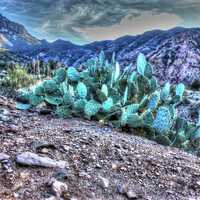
{"x":174,"y":54}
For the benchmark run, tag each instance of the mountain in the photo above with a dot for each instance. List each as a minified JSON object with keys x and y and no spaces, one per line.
{"x":174,"y":54}
{"x":14,"y":36}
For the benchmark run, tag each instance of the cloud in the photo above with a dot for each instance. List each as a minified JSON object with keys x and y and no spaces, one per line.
{"x":129,"y":26}
{"x":71,"y":18}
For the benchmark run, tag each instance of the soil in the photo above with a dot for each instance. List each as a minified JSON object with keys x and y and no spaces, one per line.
{"x":103,"y":163}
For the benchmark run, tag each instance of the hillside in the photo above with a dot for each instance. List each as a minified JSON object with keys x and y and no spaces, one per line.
{"x":100,"y":162}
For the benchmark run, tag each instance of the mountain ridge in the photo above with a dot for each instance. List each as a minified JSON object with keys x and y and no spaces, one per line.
{"x":174,"y":53}
{"x":14,"y":36}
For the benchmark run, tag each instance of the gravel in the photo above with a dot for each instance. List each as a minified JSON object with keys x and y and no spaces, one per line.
{"x":103,"y":163}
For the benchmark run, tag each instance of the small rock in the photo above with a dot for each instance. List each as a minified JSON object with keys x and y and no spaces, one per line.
{"x":104,"y":182}
{"x":57,"y":187}
{"x":131,"y":194}
{"x":114,"y":166}
{"x":7,"y":165}
{"x":198,"y":183}
{"x":98,"y":166}
{"x":4,"y":115}
{"x":24,"y":175}
{"x":44,"y":151}
{"x":4,"y":156}
{"x":125,"y":190}
{"x":121,"y":188}
{"x":32,"y":159}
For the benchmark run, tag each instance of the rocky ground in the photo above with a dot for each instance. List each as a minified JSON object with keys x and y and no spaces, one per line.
{"x":45,"y":158}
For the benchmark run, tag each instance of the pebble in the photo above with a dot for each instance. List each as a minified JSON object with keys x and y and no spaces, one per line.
{"x":114,"y":166}
{"x":125,"y":190}
{"x":32,"y":159}
{"x":4,"y":156}
{"x":104,"y":182}
{"x":57,"y":187}
{"x":44,"y":151}
{"x":4,"y":115}
{"x":198,"y":183}
{"x":131,"y":194}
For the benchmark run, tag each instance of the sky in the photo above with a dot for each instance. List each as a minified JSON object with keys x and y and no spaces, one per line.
{"x":84,"y":21}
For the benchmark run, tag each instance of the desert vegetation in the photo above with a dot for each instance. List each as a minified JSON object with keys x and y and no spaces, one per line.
{"x":128,"y":98}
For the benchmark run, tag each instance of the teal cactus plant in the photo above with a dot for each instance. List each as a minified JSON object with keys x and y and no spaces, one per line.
{"x":39,"y":90}
{"x":79,"y":105}
{"x":35,"y":100}
{"x":165,"y":92}
{"x":179,"y":93}
{"x":107,"y":105}
{"x":163,"y":120}
{"x":60,"y":75}
{"x":53,"y":100}
{"x":22,"y":106}
{"x":134,"y":121}
{"x":92,"y":108}
{"x":180,"y":88}
{"x":73,"y":74}
{"x":81,"y":90}
{"x":63,"y":111}
{"x":50,"y":86}
{"x":127,"y":98}
{"x":141,"y":64}
{"x":154,"y":101}
{"x":104,"y":89}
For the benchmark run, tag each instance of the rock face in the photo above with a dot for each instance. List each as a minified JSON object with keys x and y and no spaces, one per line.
{"x":174,"y":54}
{"x":178,"y":58}
{"x":14,"y":36}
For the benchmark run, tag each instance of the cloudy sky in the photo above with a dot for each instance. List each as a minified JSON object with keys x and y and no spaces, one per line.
{"x":82,"y":21}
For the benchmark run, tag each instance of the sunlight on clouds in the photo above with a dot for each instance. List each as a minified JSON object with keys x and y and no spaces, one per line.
{"x":132,"y":26}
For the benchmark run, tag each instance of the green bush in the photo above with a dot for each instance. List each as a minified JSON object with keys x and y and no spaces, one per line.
{"x":17,"y":78}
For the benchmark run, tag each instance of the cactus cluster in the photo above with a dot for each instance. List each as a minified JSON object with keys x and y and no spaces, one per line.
{"x":127,"y":98}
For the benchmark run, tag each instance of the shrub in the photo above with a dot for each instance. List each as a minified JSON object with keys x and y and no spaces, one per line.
{"x":17,"y":78}
{"x":126,"y":98}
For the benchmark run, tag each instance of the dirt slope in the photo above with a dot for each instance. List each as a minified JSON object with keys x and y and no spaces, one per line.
{"x":103,"y":163}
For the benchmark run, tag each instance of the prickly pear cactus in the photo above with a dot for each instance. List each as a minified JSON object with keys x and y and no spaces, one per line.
{"x":124,"y":97}
{"x":81,"y":90}
{"x":154,"y":101}
{"x":107,"y":105}
{"x":50,"y":86}
{"x":39,"y":90}
{"x":35,"y":100}
{"x":104,"y":89}
{"x":53,"y":100}
{"x":163,"y":120}
{"x":73,"y":74}
{"x":63,"y":112}
{"x":141,"y":64}
{"x":79,"y":105}
{"x":180,"y":88}
{"x":92,"y":108}
{"x":165,"y":92}
{"x":60,"y":75}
